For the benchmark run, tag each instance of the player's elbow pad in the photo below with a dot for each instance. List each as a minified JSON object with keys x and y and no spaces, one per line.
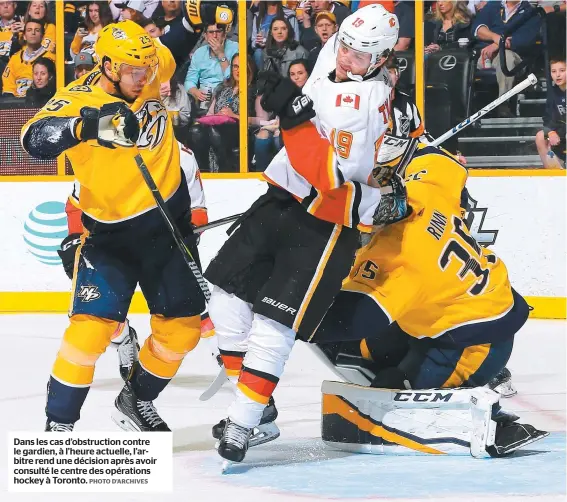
{"x":49,"y":137}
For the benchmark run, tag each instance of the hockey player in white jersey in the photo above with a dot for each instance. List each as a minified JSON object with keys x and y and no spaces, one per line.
{"x":279,"y":272}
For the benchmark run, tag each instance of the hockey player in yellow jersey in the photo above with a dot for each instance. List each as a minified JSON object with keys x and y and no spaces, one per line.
{"x":101,"y":122}
{"x":429,"y":276}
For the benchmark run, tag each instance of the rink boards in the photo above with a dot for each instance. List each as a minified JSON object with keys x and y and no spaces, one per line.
{"x":521,"y":217}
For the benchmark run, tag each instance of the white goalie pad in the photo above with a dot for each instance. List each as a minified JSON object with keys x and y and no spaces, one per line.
{"x":384,"y":421}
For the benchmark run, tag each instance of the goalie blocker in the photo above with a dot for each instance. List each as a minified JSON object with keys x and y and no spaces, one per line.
{"x":432,"y":421}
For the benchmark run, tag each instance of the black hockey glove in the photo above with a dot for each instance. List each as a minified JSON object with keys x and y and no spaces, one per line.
{"x":277,"y":91}
{"x":67,"y":252}
{"x":284,"y":98}
{"x":113,"y":125}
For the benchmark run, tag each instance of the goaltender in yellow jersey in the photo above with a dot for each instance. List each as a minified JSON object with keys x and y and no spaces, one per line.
{"x":427,"y":274}
{"x":101,"y":122}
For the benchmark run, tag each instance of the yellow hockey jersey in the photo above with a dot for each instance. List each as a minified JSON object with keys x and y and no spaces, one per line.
{"x":112,"y":188}
{"x":427,"y":272}
{"x":18,"y":74}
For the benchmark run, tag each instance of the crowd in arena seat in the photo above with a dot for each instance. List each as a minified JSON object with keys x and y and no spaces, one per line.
{"x":283,"y":36}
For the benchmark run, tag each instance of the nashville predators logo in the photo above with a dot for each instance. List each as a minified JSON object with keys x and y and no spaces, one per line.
{"x":152,"y":118}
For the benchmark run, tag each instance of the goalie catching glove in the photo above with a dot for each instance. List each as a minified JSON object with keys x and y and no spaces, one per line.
{"x":113,"y":125}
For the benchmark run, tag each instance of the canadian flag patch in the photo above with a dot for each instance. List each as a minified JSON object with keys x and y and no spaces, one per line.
{"x":350,"y":100}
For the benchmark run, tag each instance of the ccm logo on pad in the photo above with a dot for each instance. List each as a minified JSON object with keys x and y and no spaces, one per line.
{"x":423,"y":397}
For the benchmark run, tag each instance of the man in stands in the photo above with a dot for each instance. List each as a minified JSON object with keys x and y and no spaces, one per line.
{"x":489,"y":25}
{"x":18,"y":75}
{"x":325,"y":27}
{"x":308,"y":35}
{"x":210,"y":64}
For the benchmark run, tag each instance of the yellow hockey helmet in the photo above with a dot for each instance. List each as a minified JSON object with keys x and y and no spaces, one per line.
{"x":129,"y":49}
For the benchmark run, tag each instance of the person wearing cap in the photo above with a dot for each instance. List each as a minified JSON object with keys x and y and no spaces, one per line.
{"x":308,"y":35}
{"x":325,"y":27}
{"x":133,"y":10}
{"x":84,"y":62}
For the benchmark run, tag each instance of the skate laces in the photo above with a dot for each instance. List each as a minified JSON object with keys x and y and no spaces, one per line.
{"x":148,"y":411}
{"x":57,"y":427}
{"x":236,"y":434}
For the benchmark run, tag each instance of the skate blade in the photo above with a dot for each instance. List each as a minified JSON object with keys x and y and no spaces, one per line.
{"x":533,"y":439}
{"x":264,"y":434}
{"x":506,"y":389}
{"x":122,"y":421}
{"x":226,"y":465}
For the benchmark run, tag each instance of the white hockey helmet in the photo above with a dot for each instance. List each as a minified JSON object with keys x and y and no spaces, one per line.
{"x":371,"y":29}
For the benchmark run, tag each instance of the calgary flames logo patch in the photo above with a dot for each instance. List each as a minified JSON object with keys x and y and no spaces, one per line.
{"x":152,"y":118}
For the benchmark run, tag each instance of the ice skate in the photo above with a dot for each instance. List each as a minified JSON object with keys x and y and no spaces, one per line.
{"x":128,"y":349}
{"x":511,"y":436}
{"x":266,"y":431}
{"x":234,"y":443}
{"x":132,"y":414}
{"x":52,"y":426}
{"x":502,"y":383}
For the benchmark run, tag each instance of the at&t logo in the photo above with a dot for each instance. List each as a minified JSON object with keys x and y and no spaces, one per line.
{"x":44,"y":229}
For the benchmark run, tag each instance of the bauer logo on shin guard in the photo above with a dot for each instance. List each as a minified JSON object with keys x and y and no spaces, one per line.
{"x":279,"y":305}
{"x":88,"y":293}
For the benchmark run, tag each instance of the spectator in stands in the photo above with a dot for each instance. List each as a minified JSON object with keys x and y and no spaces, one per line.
{"x":405,"y":11}
{"x":131,"y":10}
{"x":18,"y":75}
{"x":153,"y":27}
{"x":261,"y":23}
{"x":452,"y":21}
{"x":550,"y":141}
{"x":97,"y":16}
{"x":299,"y":72}
{"x":10,"y":28}
{"x":210,"y":64}
{"x":281,"y":47}
{"x":176,"y":100}
{"x":84,"y":63}
{"x":218,"y":130}
{"x":147,"y":9}
{"x":490,"y":23}
{"x":308,"y":36}
{"x":325,"y":27}
{"x":37,"y":11}
{"x":168,"y":13}
{"x":43,"y":86}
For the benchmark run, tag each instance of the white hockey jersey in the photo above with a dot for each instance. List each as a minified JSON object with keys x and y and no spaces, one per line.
{"x":327,"y":163}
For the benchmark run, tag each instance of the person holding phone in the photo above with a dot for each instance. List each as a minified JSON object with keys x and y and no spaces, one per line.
{"x":98,"y":15}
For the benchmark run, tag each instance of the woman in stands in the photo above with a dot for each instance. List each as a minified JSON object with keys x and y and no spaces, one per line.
{"x":281,"y":47}
{"x":452,"y":21}
{"x":38,"y":11}
{"x":43,"y":85}
{"x":264,"y":13}
{"x":218,"y":129}
{"x":98,"y":15}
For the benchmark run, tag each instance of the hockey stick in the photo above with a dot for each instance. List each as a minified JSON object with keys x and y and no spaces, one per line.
{"x":187,"y":256}
{"x":530,"y":80}
{"x":217,"y":223}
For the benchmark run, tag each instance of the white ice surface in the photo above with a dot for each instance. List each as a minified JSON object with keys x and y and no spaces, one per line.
{"x":30,"y":343}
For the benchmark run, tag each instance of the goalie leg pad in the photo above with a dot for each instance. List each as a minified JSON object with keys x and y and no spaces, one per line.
{"x":429,"y":421}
